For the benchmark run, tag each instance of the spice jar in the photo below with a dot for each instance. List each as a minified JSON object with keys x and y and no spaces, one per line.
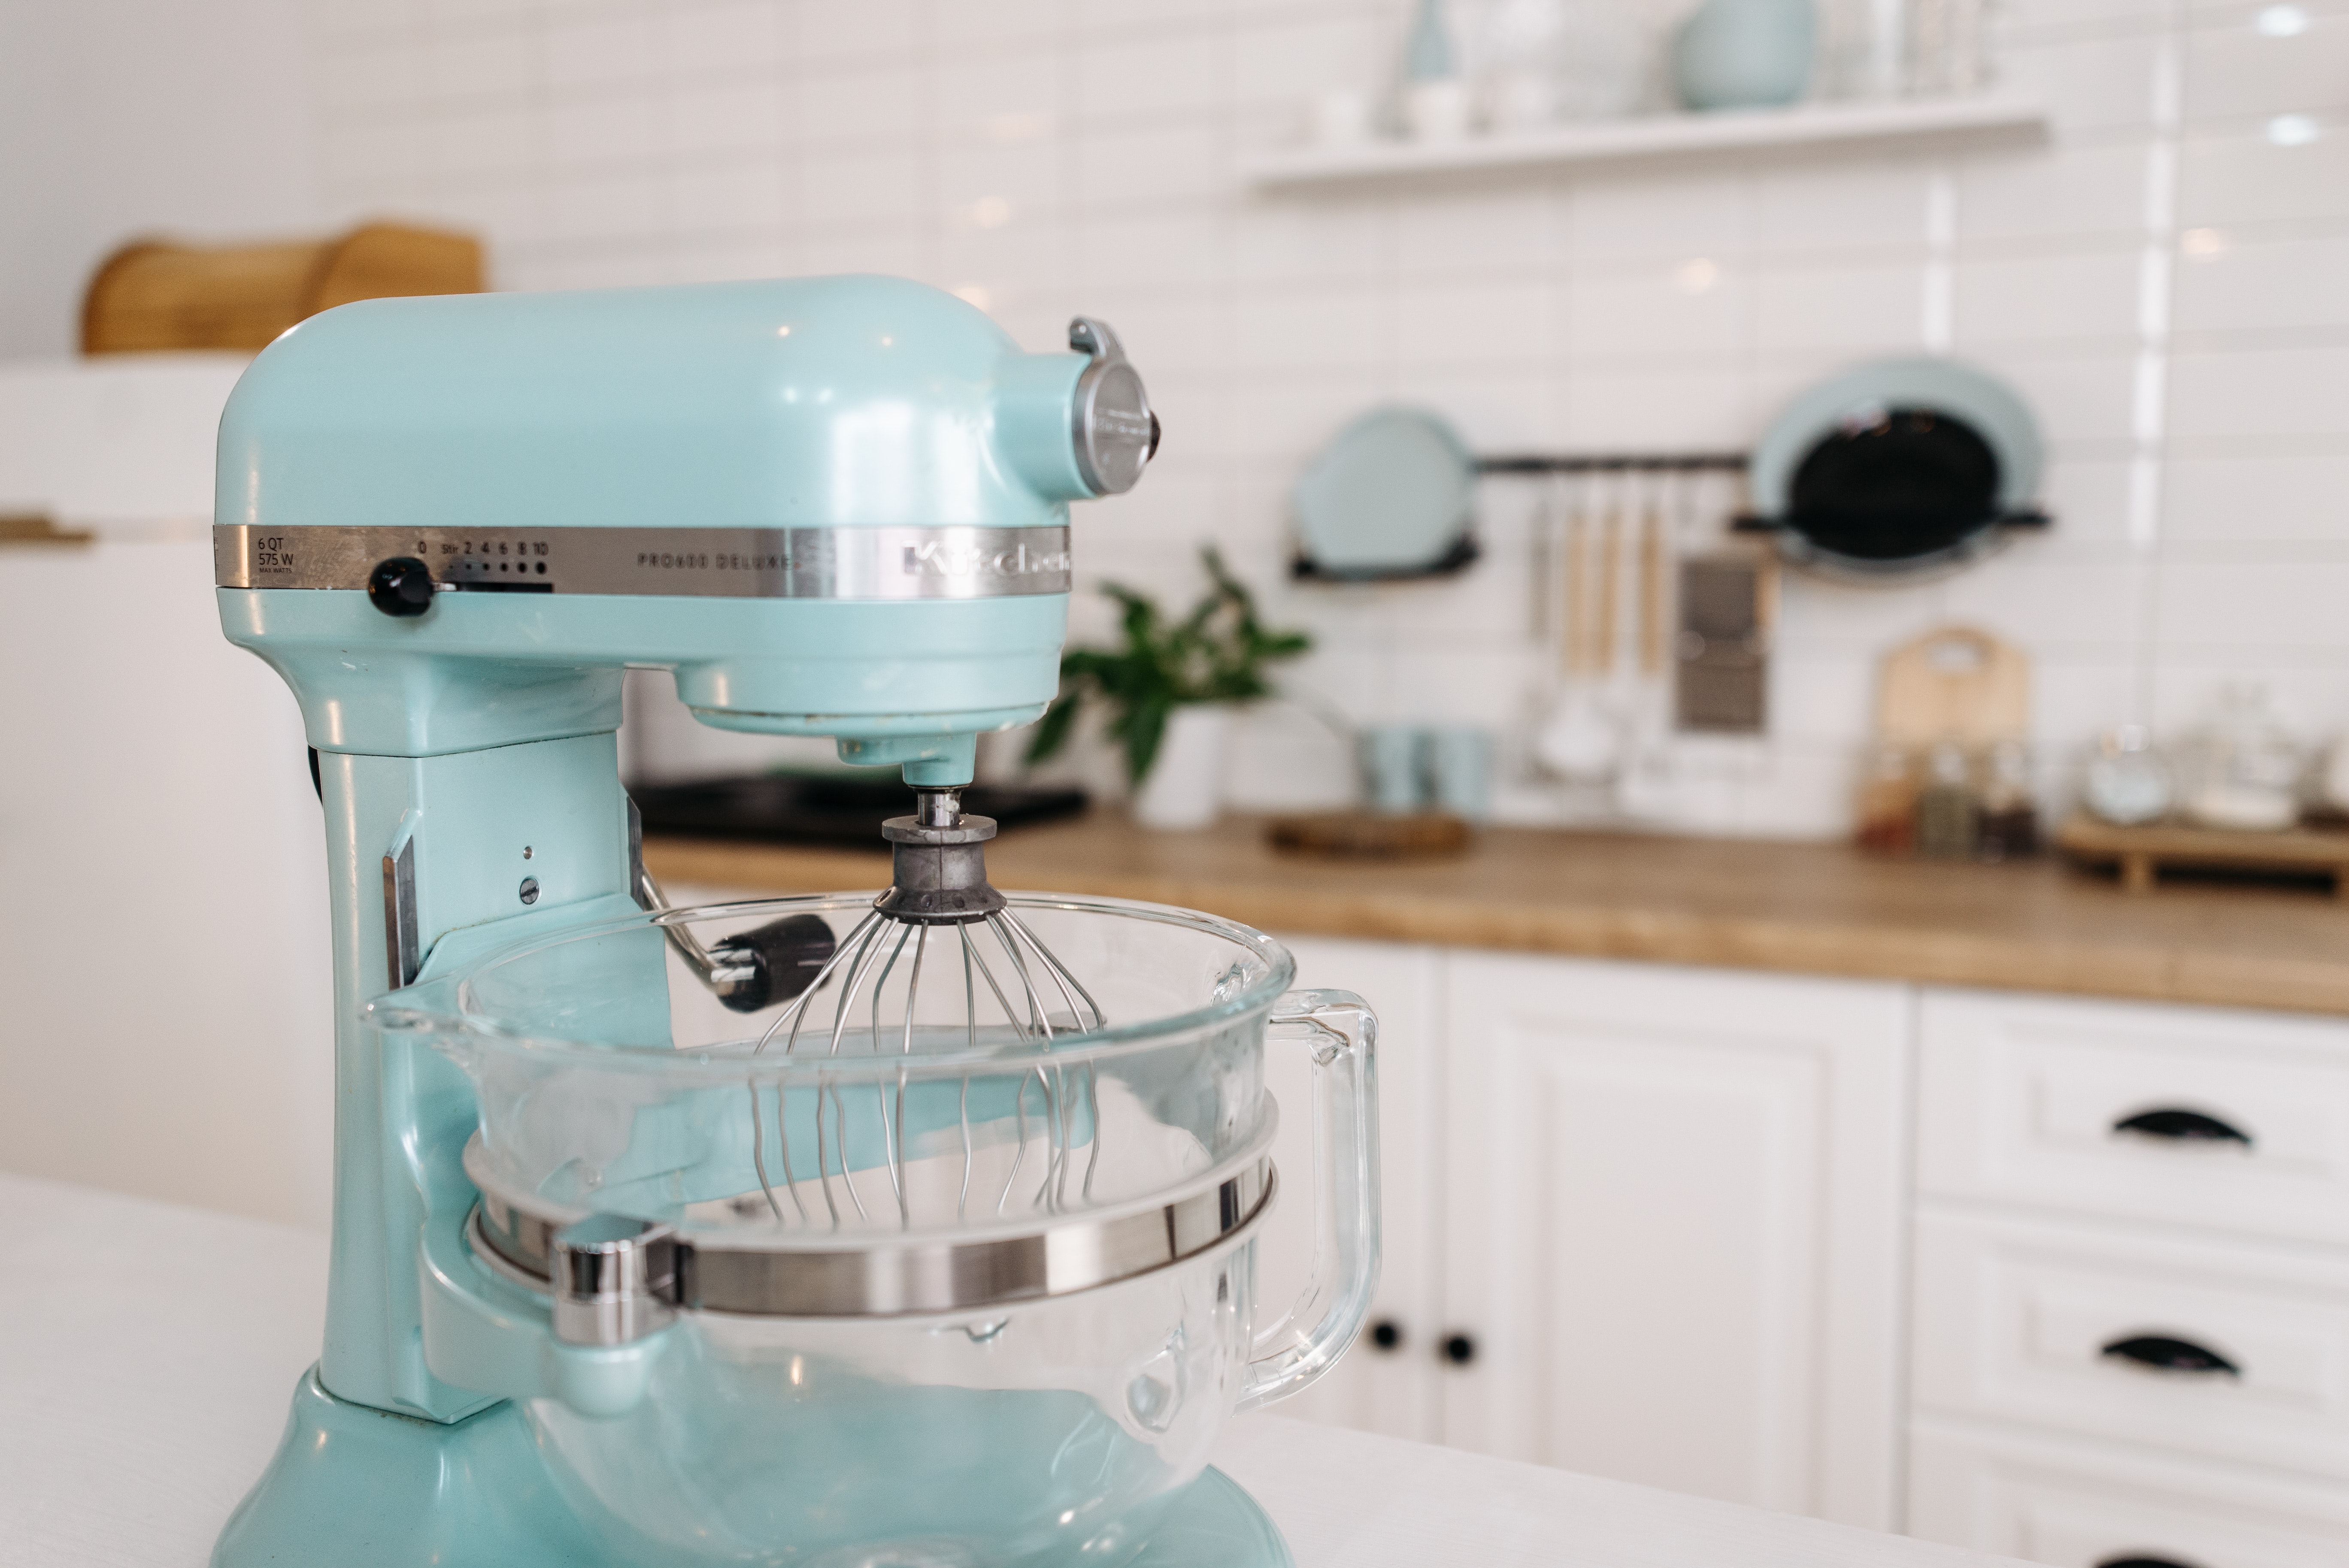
{"x":1888,"y":803}
{"x":2007,"y":825}
{"x":1948,"y":816}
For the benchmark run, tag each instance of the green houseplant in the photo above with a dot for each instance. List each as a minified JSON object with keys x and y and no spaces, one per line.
{"x":1171,"y":678}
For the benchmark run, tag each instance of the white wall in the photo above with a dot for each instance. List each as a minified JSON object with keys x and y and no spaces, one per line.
{"x":1049,"y":157}
{"x":126,"y":117}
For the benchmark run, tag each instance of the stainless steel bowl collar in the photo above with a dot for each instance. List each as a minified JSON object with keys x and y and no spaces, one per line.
{"x":541,"y":1244}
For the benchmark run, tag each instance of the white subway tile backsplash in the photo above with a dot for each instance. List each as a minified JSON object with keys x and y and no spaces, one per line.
{"x":1001,"y":95}
{"x":498,"y":63}
{"x":2229,"y":502}
{"x":2085,"y":296}
{"x":2250,"y":282}
{"x":2022,"y":194}
{"x":734,"y":35}
{"x":1145,"y":248}
{"x":1635,"y":408}
{"x":1486,"y":323}
{"x":1119,"y":168}
{"x":1515,"y":229}
{"x":1338,"y":327}
{"x":1310,"y":241}
{"x":1119,"y":78}
{"x":861,"y":187}
{"x":607,"y":207}
{"x":837,"y":29}
{"x":826,"y":248}
{"x":369,"y":74}
{"x":2080,"y":399}
{"x":607,"y":129}
{"x":961,"y":26}
{"x":2089,"y":499}
{"x":1676,"y":214}
{"x":2091,"y":84}
{"x":603,"y":50}
{"x":744,"y":196}
{"x":1866,"y":310}
{"x":2046,"y":601}
{"x":1657,"y":311}
{"x":1826,"y":205}
{"x":1044,"y":159}
{"x":2235,"y":70}
{"x":725,"y":118}
{"x":1283,"y":61}
{"x":2264,"y":392}
{"x":834,"y":105}
{"x":2212,"y":608}
{"x":2237,"y":176}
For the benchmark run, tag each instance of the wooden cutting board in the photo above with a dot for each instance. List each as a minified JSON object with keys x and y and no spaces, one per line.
{"x":150,"y":296}
{"x":1955,"y":683}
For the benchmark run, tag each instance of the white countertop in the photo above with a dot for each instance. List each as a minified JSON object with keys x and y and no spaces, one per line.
{"x":147,"y":1354}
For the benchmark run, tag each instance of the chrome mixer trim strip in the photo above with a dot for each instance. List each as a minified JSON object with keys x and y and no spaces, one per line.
{"x":949,"y":561}
{"x":891,"y":1279}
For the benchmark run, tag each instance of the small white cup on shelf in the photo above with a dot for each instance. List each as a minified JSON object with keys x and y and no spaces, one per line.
{"x":1340,"y":117}
{"x":1441,"y":110}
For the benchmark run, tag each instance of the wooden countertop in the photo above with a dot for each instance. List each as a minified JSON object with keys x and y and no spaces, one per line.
{"x":1808,"y":909}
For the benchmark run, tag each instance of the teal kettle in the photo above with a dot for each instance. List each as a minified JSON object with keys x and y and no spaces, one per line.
{"x":1745,"y":54}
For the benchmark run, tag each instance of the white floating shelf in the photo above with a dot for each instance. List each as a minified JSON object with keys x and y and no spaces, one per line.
{"x":1729,"y":133}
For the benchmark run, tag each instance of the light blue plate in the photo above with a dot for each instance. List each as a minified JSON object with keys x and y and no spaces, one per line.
{"x":1389,"y":497}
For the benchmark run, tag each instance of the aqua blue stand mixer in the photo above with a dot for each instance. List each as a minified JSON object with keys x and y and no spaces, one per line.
{"x":895,"y":1230}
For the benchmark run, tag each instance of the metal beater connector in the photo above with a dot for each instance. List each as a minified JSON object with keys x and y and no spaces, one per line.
{"x":939,"y":877}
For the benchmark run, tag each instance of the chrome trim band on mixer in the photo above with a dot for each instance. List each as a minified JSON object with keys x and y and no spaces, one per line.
{"x":949,"y":562}
{"x":891,"y":1278}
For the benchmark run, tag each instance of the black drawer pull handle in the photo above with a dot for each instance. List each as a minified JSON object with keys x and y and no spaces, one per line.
{"x":2164,"y":1354}
{"x":1386,"y":1335}
{"x":2181,"y":1126}
{"x":2125,"y":1561}
{"x":1459,"y":1350}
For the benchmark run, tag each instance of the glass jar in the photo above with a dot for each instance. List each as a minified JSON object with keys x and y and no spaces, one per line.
{"x":2127,"y":783}
{"x":2243,"y":769}
{"x":1948,"y":815}
{"x":1888,"y":804}
{"x":2007,"y":825}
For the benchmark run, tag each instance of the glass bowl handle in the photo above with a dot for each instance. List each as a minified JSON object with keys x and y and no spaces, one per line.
{"x":1342,"y":1033}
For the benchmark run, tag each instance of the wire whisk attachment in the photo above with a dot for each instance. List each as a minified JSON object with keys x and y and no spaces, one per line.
{"x":886,"y":993}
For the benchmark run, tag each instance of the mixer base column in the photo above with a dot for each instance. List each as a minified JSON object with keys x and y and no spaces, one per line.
{"x":355,"y":1487}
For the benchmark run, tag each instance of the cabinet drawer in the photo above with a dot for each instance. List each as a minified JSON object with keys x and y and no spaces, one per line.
{"x":2056,"y":1325}
{"x":2027,"y":1100}
{"x":2084,"y":1505}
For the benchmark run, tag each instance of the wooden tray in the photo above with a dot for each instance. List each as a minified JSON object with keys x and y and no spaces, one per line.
{"x":2142,"y":852}
{"x":1369,"y":834}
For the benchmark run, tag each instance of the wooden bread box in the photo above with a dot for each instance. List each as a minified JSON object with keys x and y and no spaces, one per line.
{"x":152,"y":295}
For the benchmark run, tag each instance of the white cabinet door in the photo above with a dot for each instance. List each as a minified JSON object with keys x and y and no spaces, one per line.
{"x":1391,"y":1389}
{"x":1674,"y":1212}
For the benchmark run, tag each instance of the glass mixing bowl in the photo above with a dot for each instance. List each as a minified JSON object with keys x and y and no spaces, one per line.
{"x":954,"y":1253}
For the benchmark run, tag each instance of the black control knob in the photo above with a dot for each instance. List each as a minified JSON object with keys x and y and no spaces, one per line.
{"x":1386,"y":1334}
{"x":1459,"y":1350}
{"x":400,"y":587}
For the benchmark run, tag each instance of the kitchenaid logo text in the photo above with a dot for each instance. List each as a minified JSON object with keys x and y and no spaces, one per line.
{"x":936,"y":559}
